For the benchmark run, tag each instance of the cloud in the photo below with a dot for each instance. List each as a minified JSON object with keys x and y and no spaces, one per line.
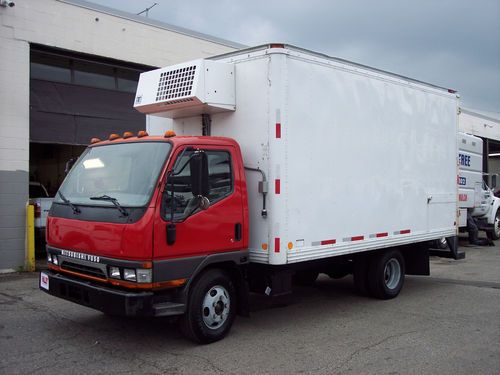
{"x":452,"y":43}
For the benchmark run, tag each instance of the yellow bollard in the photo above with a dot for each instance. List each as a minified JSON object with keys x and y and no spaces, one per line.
{"x":30,"y":238}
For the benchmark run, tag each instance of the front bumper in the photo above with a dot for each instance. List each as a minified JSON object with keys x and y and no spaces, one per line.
{"x":105,"y":299}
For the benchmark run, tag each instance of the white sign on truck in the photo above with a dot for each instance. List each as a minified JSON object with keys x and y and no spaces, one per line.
{"x":473,"y":193}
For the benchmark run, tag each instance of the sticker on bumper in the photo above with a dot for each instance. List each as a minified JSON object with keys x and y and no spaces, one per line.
{"x":44,"y":281}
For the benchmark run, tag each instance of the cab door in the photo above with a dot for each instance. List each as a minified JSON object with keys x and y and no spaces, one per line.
{"x":218,"y":228}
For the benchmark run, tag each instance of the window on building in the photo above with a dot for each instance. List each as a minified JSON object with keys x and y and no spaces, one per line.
{"x":50,"y":68}
{"x":127,"y":80}
{"x":55,"y":68}
{"x":94,"y":75}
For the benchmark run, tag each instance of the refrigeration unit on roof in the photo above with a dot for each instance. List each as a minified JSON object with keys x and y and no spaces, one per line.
{"x":192,"y":88}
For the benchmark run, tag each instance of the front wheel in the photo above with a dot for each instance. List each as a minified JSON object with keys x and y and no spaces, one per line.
{"x":386,"y":274}
{"x":211,"y":307}
{"x":495,"y":233}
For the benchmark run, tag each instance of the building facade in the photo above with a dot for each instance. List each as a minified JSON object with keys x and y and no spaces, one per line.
{"x":68,"y":71}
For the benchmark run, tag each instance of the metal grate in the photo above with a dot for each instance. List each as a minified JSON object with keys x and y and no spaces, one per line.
{"x":176,"y":83}
{"x":86,"y":270}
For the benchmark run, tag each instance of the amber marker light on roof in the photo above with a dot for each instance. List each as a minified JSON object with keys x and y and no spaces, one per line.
{"x":142,"y":133}
{"x":169,"y":134}
{"x":128,"y":135}
{"x":113,"y":136}
{"x":94,"y":140}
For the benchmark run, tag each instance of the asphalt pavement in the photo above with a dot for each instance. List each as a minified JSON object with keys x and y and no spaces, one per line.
{"x":448,"y":323}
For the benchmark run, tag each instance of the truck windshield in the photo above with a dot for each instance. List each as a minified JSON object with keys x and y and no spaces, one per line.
{"x":125,"y":171}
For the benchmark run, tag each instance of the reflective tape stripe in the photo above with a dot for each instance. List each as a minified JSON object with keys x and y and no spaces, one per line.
{"x":277,"y":186}
{"x":404,"y":231}
{"x":355,"y":238}
{"x":276,"y":244}
{"x":328,"y":242}
{"x":324,"y":242}
{"x":278,"y":130}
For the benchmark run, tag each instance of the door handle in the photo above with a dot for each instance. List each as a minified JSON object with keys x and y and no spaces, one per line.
{"x":237,"y":232}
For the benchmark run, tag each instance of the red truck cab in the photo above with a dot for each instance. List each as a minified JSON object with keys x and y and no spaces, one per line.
{"x":153,"y":226}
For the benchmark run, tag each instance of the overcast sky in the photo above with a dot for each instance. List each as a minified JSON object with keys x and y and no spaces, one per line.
{"x":450,"y":43}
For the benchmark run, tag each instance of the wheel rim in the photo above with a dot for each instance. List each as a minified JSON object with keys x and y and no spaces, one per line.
{"x":392,"y":273}
{"x":216,"y":305}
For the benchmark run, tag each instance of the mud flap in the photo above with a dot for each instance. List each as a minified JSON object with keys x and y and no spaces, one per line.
{"x":453,"y":245}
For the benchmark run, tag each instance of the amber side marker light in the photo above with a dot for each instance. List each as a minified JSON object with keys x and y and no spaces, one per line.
{"x":94,"y":140}
{"x":127,"y":135}
{"x":169,"y":134}
{"x":142,"y":133}
{"x":114,"y":136}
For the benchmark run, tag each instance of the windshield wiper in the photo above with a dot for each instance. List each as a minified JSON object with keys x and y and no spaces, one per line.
{"x":112,"y":200}
{"x":75,"y":209}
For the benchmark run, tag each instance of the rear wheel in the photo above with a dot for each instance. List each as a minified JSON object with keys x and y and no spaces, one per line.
{"x":211,"y":307}
{"x":495,"y":233}
{"x":386,"y":274}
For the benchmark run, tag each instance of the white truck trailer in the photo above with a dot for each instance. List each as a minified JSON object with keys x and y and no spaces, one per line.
{"x":358,"y":159}
{"x":473,"y":194}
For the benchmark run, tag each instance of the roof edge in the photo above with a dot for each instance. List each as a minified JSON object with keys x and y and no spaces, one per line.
{"x":150,"y":22}
{"x":480,"y":115}
{"x":336,"y":59}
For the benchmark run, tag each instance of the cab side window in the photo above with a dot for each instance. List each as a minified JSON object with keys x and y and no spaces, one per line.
{"x":220,"y":182}
{"x":220,"y":177}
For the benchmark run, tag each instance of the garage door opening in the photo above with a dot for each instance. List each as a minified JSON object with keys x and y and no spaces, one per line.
{"x":73,"y":98}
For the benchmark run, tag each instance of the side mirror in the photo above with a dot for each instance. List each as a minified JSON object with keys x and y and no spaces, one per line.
{"x":204,"y":203}
{"x":199,"y":174}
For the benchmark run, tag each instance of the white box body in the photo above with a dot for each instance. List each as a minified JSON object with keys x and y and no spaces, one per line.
{"x":470,"y":164}
{"x":357,"y":159}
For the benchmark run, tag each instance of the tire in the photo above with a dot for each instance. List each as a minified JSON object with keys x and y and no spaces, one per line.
{"x":495,"y":232}
{"x":360,"y":276}
{"x":386,"y":274}
{"x":211,"y":307}
{"x":305,"y":278}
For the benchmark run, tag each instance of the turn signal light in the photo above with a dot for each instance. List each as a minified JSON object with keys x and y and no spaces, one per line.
{"x":113,"y":136}
{"x":94,"y":140}
{"x":142,"y":133}
{"x":169,"y":134}
{"x":128,"y":135}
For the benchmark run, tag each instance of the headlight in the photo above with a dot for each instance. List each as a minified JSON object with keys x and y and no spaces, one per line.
{"x":114,"y":272}
{"x":129,"y":274}
{"x":144,"y":275}
{"x":54,"y":260}
{"x":49,"y":258}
